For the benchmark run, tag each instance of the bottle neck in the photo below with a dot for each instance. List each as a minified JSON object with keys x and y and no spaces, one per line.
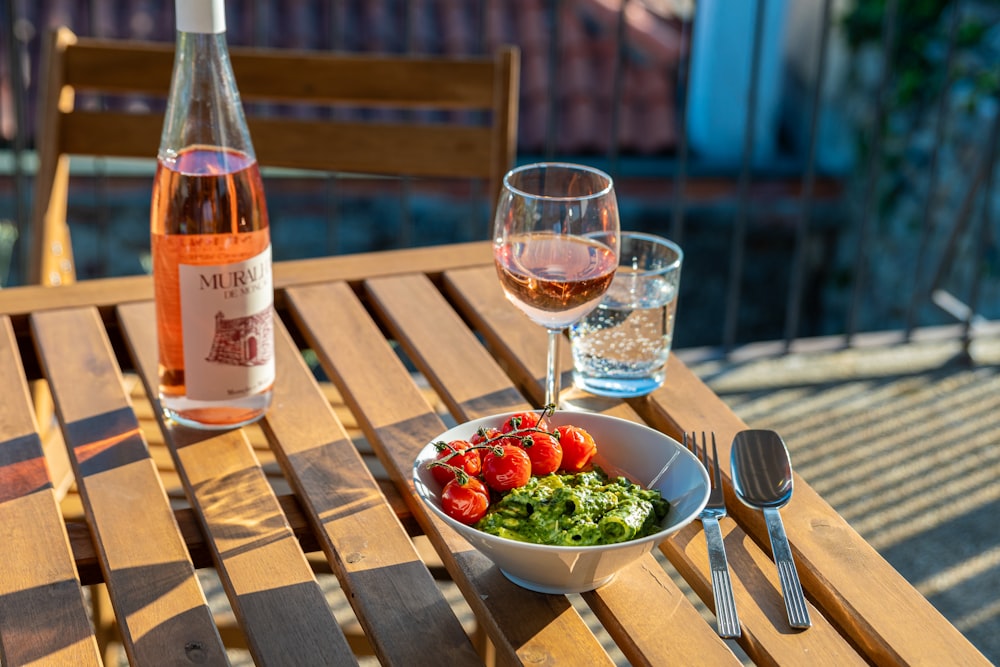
{"x":204,"y":105}
{"x":199,"y":52}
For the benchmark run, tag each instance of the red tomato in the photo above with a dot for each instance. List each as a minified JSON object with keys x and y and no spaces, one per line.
{"x":483,"y":435}
{"x":545,"y":452}
{"x":520,"y":421}
{"x":450,"y":453}
{"x":466,"y":502}
{"x":506,"y":470}
{"x":578,"y":448}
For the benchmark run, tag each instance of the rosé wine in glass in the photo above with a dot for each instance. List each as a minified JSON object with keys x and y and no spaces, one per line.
{"x":555,"y":279}
{"x":556,"y":247}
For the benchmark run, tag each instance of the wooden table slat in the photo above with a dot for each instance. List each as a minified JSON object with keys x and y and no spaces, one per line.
{"x":108,"y":293}
{"x":829,"y":553}
{"x":768,"y":637}
{"x":432,"y":334}
{"x":364,"y":541}
{"x":418,"y":309}
{"x":478,"y":292}
{"x":50,"y":629}
{"x":444,"y":307}
{"x":667,"y":631}
{"x":522,"y":625}
{"x":162,"y":611}
{"x":271,"y":587}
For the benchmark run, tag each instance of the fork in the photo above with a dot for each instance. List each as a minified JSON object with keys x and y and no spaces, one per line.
{"x":715,"y":509}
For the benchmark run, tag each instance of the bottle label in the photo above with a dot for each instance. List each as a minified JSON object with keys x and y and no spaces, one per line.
{"x":227,"y":315}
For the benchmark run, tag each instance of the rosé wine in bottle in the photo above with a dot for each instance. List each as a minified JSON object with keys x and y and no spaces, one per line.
{"x":210,"y":240}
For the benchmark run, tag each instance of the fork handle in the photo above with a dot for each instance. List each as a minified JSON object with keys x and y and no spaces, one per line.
{"x":791,"y":588}
{"x":722,"y":585}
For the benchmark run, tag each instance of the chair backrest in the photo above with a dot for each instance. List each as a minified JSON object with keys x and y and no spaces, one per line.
{"x":401,"y":143}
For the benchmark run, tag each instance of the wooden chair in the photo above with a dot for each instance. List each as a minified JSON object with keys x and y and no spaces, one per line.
{"x":405,"y":146}
{"x":319,"y":80}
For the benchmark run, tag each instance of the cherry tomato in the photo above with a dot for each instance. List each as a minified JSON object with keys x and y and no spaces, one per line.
{"x":466,"y":502}
{"x":521,"y":421}
{"x":450,"y":453}
{"x":483,"y":435}
{"x":578,"y":447}
{"x":545,"y":452}
{"x":506,"y":470}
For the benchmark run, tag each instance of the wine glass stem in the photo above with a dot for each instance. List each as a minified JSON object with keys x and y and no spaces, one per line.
{"x":552,"y":374}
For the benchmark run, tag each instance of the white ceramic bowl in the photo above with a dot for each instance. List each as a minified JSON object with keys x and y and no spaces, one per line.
{"x":640,"y":453}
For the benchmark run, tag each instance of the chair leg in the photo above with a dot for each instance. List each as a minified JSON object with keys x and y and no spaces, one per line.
{"x":56,"y":456}
{"x":105,"y":629}
{"x":484,"y":646}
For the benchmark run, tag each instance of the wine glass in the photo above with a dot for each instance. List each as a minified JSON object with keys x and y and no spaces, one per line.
{"x":555,"y":243}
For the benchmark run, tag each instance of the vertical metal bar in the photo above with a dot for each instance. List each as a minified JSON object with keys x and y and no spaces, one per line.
{"x":21,"y":211}
{"x":680,"y":179}
{"x":985,"y":233}
{"x":334,"y":25}
{"x":618,"y":85}
{"x":551,"y":120}
{"x":794,"y":303}
{"x":330,"y":180}
{"x":261,"y":23}
{"x":480,"y":189}
{"x":739,"y":227}
{"x":927,"y":223}
{"x":408,"y":28}
{"x":484,"y":23}
{"x":481,"y":26}
{"x":105,"y":225}
{"x":870,"y":201}
{"x":961,"y":219}
{"x":405,"y":185}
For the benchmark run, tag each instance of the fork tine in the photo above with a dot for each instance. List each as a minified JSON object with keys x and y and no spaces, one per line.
{"x":693,"y":446}
{"x":701,"y":453}
{"x":717,"y":475}
{"x":704,"y":452}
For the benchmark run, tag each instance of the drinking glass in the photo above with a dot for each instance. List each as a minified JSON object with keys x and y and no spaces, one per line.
{"x":555,"y":243}
{"x":620,"y":348}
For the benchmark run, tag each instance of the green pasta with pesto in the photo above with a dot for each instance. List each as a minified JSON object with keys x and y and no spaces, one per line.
{"x":581,"y":509}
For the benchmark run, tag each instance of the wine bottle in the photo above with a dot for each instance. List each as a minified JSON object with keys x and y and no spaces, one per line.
{"x":210,"y":239}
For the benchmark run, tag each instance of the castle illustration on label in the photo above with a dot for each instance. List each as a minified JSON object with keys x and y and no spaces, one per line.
{"x":243,"y":341}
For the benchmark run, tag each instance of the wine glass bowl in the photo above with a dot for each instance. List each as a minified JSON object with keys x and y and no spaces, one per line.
{"x":555,"y":242}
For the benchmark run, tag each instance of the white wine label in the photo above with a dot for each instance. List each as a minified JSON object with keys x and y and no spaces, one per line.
{"x":227,"y":315}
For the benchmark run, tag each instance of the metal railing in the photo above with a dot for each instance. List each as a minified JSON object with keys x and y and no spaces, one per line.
{"x":728,"y":215}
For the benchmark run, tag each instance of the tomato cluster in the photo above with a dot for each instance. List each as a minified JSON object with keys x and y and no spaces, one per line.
{"x":497,"y":460}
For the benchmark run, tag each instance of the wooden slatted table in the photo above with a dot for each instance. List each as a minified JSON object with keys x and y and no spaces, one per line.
{"x":441,"y":309}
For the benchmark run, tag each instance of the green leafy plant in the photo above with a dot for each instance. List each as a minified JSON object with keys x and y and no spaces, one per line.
{"x":918,"y":52}
{"x":919,"y":93}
